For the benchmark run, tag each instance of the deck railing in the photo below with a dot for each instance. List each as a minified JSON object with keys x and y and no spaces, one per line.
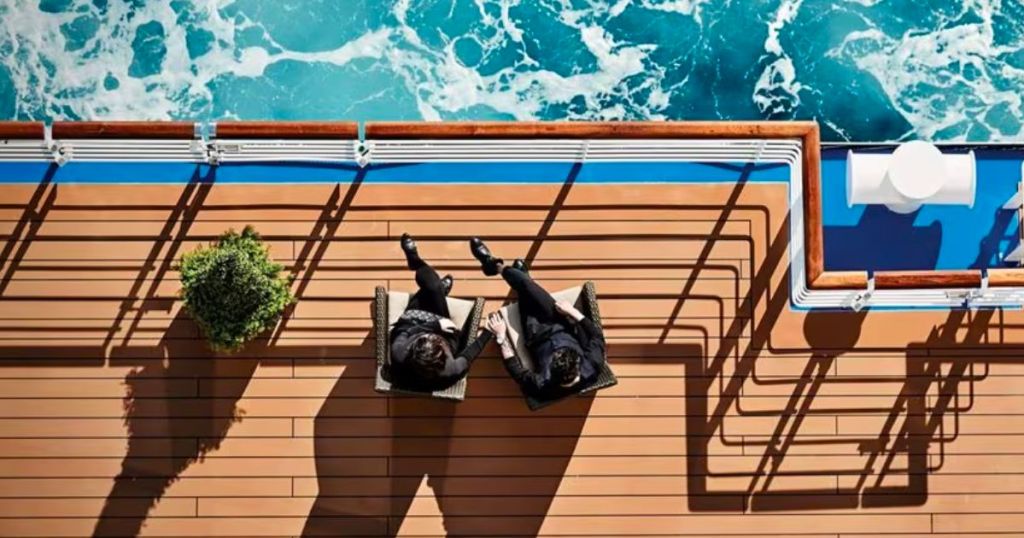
{"x":469,"y":141}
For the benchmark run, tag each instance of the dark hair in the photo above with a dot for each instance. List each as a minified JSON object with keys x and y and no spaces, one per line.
{"x":428,"y":354}
{"x":565,"y":365}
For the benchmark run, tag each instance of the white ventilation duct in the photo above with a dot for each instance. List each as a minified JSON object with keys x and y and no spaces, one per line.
{"x":917,"y":173}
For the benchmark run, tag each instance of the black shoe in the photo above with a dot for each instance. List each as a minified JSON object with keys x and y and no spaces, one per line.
{"x":520,"y":264}
{"x":412,"y":254}
{"x":487,"y":261}
{"x":479,"y":249}
{"x":446,"y":284}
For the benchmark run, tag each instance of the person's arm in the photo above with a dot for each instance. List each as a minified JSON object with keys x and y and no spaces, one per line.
{"x":459,"y":365}
{"x":473,"y":350}
{"x":596,"y":349}
{"x":400,"y":346}
{"x":526,"y":379}
{"x":529,"y":381}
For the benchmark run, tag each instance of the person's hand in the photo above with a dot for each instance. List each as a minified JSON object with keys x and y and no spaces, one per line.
{"x":448,"y":325}
{"x":568,"y":310}
{"x":496,"y":324}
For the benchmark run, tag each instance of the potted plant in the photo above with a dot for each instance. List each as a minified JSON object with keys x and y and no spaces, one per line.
{"x":233,"y":290}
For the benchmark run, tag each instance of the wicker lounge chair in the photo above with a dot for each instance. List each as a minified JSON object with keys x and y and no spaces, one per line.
{"x":388,"y":306}
{"x":585,"y":299}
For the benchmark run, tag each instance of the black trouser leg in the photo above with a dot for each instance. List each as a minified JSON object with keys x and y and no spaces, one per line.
{"x":415,"y":262}
{"x":534,"y":300}
{"x":430,"y":297}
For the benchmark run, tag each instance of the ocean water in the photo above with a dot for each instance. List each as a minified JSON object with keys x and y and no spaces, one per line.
{"x":868,"y":70}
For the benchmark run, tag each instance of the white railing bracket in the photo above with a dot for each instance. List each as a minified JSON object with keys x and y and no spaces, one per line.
{"x":861,"y":299}
{"x":363,"y":152}
{"x":980,"y":293}
{"x":760,"y":151}
{"x":60,"y":152}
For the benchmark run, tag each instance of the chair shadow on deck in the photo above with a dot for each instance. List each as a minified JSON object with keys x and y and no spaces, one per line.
{"x":487,"y":464}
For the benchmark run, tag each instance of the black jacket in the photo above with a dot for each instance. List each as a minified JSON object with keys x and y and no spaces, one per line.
{"x":455,"y":368}
{"x":538,"y":383}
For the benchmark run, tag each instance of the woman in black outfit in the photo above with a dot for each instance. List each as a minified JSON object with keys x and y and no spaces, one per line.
{"x":424,"y":339}
{"x":568,"y":348}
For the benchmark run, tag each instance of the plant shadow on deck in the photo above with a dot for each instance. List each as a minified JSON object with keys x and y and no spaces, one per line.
{"x":167,"y":429}
{"x":489,"y":462}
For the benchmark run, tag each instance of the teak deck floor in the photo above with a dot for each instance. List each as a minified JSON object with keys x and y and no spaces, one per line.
{"x":734,"y":415}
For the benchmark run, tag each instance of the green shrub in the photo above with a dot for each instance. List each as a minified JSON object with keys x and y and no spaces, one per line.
{"x":233,"y":290}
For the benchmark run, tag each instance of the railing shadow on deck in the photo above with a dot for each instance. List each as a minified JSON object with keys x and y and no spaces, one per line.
{"x":431,"y":456}
{"x":913,"y":424}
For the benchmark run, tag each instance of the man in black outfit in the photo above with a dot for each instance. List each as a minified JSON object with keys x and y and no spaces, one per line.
{"x":424,"y":337}
{"x":568,"y":348}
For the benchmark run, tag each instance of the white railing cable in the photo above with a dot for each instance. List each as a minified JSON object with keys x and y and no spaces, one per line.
{"x":402,"y":151}
{"x":184,"y":150}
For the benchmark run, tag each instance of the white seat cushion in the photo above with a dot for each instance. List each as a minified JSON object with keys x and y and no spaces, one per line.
{"x":514,"y":323}
{"x":460,"y":309}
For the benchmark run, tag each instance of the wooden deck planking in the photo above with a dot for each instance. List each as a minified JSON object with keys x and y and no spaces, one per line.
{"x":728,"y":401}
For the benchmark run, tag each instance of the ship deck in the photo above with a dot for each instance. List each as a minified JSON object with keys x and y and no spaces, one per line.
{"x":735,"y":414}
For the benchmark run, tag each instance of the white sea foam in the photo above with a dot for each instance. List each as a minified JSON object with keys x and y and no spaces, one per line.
{"x":443,"y":85}
{"x":777,"y":90}
{"x":950,"y":81}
{"x":685,"y":7}
{"x":76,"y":82}
{"x":513,"y":31}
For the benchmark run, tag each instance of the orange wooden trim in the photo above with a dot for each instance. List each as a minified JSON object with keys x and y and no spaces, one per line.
{"x":288,"y":129}
{"x":839,"y":280}
{"x":927,"y":279}
{"x":21,"y":129}
{"x":1006,"y":277}
{"x":123,"y":129}
{"x":814,"y":243}
{"x":649,"y":129}
{"x":835,"y":280}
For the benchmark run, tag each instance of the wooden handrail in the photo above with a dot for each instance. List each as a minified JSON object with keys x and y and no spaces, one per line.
{"x":21,"y":130}
{"x":927,"y":279}
{"x":124,"y":129}
{"x":841,"y":280}
{"x":1008,"y":277}
{"x":230,"y":129}
{"x":814,"y":242}
{"x":595,"y":130}
{"x":288,"y":129}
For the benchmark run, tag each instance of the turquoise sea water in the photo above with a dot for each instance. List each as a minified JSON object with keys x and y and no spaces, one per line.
{"x":867,"y":69}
